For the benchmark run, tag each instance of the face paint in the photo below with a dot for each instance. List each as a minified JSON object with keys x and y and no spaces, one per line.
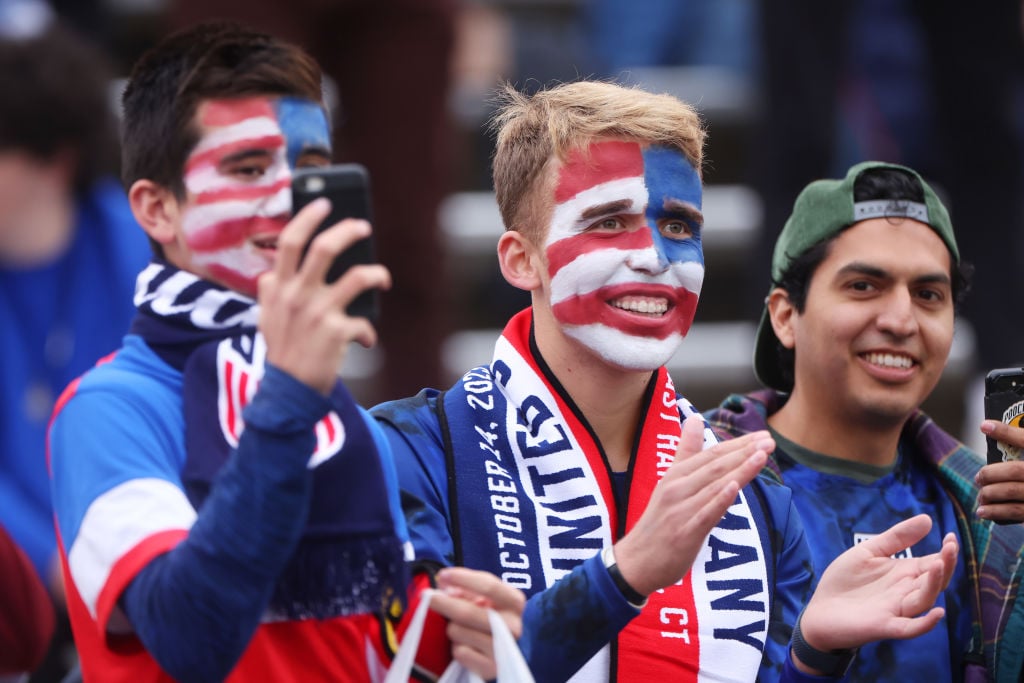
{"x":238,"y":182}
{"x":624,"y":251}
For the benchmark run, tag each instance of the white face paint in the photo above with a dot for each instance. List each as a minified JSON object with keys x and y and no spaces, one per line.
{"x":238,"y":182}
{"x":624,"y":251}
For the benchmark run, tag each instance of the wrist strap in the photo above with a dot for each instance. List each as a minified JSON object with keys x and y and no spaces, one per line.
{"x":632,"y":595}
{"x":831,"y":663}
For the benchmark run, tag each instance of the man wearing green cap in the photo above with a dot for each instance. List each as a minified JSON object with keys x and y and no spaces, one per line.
{"x":855,"y":334}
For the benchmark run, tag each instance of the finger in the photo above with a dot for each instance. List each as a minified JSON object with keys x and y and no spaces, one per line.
{"x":927,"y":586}
{"x":362,"y":332}
{"x":1000,"y":431}
{"x":459,"y":634}
{"x":912,"y":628}
{"x":723,"y":499}
{"x":357,"y":280}
{"x":326,"y":246}
{"x":691,"y":441}
{"x":483,"y":665}
{"x":1004,"y":492}
{"x":501,"y":595}
{"x":722,"y":456}
{"x":1000,"y":473}
{"x":898,"y":537}
{"x":949,"y":554}
{"x":1002,"y":512}
{"x":740,"y":466}
{"x":461,"y":611}
{"x":296,"y":234}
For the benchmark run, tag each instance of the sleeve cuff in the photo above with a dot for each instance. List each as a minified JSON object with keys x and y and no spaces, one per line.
{"x":283,"y":404}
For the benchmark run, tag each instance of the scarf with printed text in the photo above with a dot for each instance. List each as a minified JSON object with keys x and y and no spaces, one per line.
{"x":348,"y":560}
{"x":533,"y":499}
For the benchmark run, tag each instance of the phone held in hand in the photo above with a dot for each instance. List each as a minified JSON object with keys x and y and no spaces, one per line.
{"x":1004,"y":402}
{"x":347,"y":186}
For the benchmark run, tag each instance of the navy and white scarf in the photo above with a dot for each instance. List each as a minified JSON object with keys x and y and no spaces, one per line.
{"x":532,"y":498}
{"x":348,"y":560}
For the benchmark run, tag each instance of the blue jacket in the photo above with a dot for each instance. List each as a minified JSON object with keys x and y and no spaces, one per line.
{"x":566,"y":624}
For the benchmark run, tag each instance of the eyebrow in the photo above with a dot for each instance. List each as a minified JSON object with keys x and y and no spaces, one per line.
{"x":607,"y":208}
{"x":319,"y":150}
{"x":244,"y":155}
{"x":861,"y":268}
{"x":684,"y":209}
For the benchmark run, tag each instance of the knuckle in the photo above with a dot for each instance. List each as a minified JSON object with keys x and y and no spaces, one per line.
{"x":290,"y":240}
{"x":322,"y":246}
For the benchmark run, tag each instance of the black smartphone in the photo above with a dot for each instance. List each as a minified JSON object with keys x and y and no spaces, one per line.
{"x":1004,"y":401}
{"x":348,"y":188}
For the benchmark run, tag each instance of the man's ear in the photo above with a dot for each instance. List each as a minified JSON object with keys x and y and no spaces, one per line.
{"x":782,"y":312}
{"x":520,"y":261}
{"x":156,"y":209}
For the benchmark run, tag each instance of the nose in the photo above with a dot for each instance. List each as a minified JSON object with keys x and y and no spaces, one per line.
{"x":275,"y":197}
{"x":652,"y":258}
{"x":898,"y":315}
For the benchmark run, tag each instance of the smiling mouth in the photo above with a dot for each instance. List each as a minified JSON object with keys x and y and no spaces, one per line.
{"x":265,"y":242}
{"x":890,"y":360}
{"x":654,"y":307}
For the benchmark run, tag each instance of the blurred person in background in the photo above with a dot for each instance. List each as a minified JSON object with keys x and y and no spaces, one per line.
{"x":390,"y":62}
{"x":26,"y":613}
{"x":69,"y":251}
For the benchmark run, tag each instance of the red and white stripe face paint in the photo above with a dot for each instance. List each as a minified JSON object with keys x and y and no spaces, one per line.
{"x":238,"y":182}
{"x":624,"y":251}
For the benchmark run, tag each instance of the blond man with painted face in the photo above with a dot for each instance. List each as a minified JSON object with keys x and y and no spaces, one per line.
{"x":856,"y":331}
{"x":572,"y":468}
{"x":225,"y":510}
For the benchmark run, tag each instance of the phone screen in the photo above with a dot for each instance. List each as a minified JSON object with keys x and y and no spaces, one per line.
{"x":347,"y":186}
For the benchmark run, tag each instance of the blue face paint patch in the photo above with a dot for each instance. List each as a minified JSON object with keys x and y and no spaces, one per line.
{"x":305,"y":127}
{"x":670,"y":177}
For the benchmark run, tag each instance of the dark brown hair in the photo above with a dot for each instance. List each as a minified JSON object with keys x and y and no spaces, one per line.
{"x":56,"y":99}
{"x":212,"y":60}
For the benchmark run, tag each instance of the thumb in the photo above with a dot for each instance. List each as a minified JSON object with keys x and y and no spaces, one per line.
{"x":691,"y":441}
{"x":899,"y":536}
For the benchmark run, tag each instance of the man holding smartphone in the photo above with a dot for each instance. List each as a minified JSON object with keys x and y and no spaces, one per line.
{"x":225,"y":510}
{"x":855,"y":334}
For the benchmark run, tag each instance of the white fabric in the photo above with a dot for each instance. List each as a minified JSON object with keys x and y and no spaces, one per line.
{"x":511,"y":666}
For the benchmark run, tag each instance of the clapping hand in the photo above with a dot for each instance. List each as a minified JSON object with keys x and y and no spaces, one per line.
{"x":866,"y":594}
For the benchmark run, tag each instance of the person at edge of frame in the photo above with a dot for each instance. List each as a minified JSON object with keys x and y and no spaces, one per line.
{"x":225,"y":510}
{"x":855,"y":333}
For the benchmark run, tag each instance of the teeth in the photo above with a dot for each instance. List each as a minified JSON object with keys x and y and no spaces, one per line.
{"x":889,"y":360}
{"x":642,"y":305}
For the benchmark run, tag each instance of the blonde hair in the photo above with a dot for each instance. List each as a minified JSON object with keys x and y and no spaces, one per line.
{"x":533,"y":130}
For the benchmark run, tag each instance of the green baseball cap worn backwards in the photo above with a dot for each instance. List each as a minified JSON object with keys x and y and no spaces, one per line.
{"x":821,"y":211}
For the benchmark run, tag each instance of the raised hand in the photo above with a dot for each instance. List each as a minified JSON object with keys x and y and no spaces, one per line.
{"x":463,"y":598}
{"x":302,"y":317}
{"x":687,"y":504}
{"x":866,"y":594}
{"x":1001,"y":497}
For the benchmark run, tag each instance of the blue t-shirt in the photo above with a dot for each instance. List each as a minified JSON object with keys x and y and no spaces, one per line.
{"x":58,"y":319}
{"x":843,"y":503}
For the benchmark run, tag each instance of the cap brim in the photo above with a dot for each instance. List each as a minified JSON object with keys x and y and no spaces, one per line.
{"x":766,"y":356}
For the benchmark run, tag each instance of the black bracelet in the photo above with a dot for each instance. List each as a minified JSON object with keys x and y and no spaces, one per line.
{"x":632,"y":595}
{"x":831,"y":663}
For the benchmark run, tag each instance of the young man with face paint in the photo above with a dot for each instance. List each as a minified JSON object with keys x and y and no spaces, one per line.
{"x":570,"y":466}
{"x":854,"y":336}
{"x":225,"y":511}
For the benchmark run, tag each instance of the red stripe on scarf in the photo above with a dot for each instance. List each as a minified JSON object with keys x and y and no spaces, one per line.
{"x":644,"y":649}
